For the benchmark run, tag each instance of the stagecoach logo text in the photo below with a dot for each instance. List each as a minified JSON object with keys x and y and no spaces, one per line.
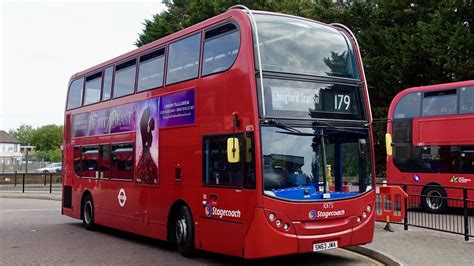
{"x":122,"y":198}
{"x":214,"y":211}
{"x":325,"y":214}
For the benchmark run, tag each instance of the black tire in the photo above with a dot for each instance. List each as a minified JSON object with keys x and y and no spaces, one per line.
{"x":184,"y":231}
{"x":46,"y":172}
{"x":88,"y":212}
{"x":433,"y":199}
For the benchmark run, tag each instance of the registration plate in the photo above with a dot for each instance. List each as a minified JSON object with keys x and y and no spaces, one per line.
{"x":324,"y":246}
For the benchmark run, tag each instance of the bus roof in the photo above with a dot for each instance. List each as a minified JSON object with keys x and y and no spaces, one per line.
{"x":436,"y":87}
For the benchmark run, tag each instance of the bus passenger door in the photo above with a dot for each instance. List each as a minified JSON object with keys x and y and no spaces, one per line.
{"x":223,"y":209}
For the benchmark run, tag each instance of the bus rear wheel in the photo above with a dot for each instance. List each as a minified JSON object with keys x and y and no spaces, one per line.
{"x":433,"y":199}
{"x":184,"y":230}
{"x":88,"y":212}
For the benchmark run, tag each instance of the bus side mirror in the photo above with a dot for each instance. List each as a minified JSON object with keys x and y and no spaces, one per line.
{"x":233,"y":150}
{"x":362,"y":148}
{"x":388,"y":143}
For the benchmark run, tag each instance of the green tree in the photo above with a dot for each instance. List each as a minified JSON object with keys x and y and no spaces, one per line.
{"x":24,"y":134}
{"x":48,"y":138}
{"x":50,"y":155}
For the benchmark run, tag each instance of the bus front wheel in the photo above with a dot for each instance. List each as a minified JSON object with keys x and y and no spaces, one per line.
{"x":184,"y":229}
{"x":88,"y":212}
{"x":433,"y":199}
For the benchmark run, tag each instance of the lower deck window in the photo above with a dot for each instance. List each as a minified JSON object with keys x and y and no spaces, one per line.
{"x":122,"y":161}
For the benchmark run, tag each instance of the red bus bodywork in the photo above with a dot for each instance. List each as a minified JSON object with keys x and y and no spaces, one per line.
{"x":148,"y":209}
{"x":453,"y":130}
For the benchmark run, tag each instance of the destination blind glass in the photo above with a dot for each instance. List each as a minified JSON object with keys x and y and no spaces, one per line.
{"x":306,"y":100}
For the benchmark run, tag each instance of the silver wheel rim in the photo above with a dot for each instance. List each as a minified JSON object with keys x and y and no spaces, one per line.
{"x":88,"y":212}
{"x":433,"y":199}
{"x":181,"y":232}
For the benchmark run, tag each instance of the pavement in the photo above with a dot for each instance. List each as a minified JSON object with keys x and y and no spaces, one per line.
{"x":416,"y":246}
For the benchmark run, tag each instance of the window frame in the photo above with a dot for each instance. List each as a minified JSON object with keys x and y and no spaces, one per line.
{"x":111,"y":83}
{"x":165,"y":57}
{"x":133,"y":159}
{"x":82,"y":93}
{"x":240,"y":136}
{"x":101,"y":86}
{"x":471,"y":89}
{"x":230,"y":21}
{"x":200,"y":32}
{"x":439,"y":93}
{"x":98,"y":165}
{"x":112,"y":97}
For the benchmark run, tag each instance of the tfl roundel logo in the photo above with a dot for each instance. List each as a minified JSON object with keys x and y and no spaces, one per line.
{"x":416,"y":178}
{"x":312,"y":214}
{"x":208,"y":210}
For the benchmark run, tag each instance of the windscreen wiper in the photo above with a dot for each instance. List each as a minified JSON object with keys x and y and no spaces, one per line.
{"x":281,"y":125}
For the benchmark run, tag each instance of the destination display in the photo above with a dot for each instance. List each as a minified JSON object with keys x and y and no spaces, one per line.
{"x":287,"y":98}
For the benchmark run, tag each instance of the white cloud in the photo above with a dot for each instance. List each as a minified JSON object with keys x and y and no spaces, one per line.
{"x":44,"y":43}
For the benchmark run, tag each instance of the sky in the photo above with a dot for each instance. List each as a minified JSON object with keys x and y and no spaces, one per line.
{"x":43,"y":43}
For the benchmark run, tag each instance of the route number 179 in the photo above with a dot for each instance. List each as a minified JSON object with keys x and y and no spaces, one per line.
{"x":342,"y":102}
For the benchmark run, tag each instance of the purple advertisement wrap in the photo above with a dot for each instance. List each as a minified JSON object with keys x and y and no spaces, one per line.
{"x":80,"y":125}
{"x":112,"y":120}
{"x":146,"y":144}
{"x":177,"y":109}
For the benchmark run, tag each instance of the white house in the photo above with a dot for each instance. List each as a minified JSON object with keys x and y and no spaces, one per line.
{"x":9,"y":149}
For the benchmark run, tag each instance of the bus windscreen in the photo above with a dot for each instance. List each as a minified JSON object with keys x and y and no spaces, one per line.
{"x":292,"y":45}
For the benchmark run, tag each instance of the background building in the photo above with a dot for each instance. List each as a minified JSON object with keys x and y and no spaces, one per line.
{"x":9,"y":149}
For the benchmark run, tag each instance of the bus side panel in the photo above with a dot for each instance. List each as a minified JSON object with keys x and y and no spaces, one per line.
{"x":423,"y":129}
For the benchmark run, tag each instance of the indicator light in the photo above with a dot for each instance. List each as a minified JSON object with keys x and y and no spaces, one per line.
{"x":369,"y":208}
{"x":278,"y":223}
{"x":358,"y":219}
{"x":364,"y":214}
{"x":286,"y":227}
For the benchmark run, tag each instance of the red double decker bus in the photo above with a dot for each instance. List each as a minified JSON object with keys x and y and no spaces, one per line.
{"x":430,"y":142}
{"x":247,"y":134}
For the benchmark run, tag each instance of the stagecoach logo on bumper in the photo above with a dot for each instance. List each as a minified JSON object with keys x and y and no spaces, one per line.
{"x":325,"y":214}
{"x":214,"y":211}
{"x":122,"y":198}
{"x":459,"y":179}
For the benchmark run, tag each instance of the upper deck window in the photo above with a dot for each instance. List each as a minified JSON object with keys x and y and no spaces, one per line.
{"x":151,"y":70}
{"x":74,"y":98}
{"x":221,"y":46}
{"x":92,"y":90}
{"x":409,"y":106}
{"x":183,"y":60}
{"x":299,"y":46}
{"x":107,"y":89}
{"x":440,"y":103}
{"x":467,"y":100}
{"x":125,"y":78}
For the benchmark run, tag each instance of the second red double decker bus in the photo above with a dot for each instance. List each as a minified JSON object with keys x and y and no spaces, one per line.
{"x":431,"y":133}
{"x":247,"y":134}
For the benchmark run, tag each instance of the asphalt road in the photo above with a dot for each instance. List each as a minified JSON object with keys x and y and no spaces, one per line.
{"x":34,"y":232}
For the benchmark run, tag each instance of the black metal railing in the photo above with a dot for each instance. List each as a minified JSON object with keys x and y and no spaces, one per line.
{"x":39,"y":182}
{"x":447,"y":209}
